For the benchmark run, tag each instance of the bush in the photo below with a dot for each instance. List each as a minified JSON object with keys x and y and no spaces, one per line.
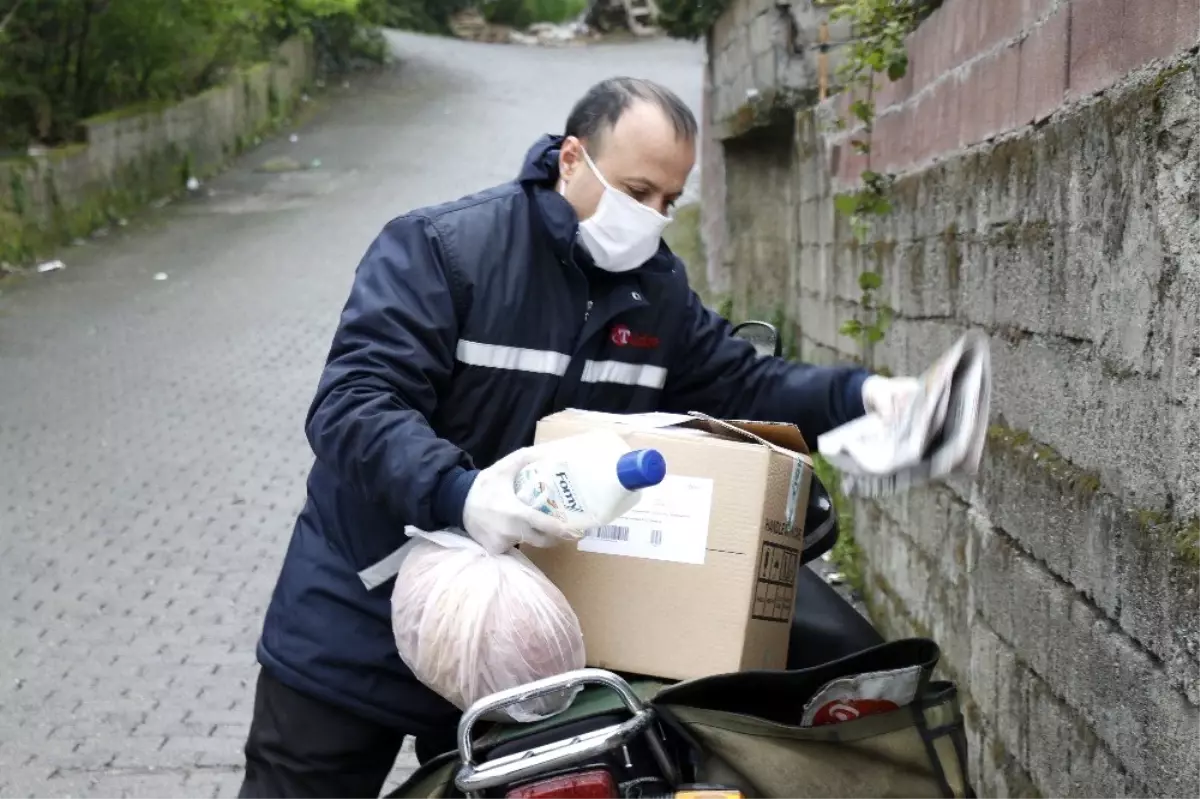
{"x":523,"y":13}
{"x":431,"y":16}
{"x":66,"y":60}
{"x":689,"y":19}
{"x":343,"y":43}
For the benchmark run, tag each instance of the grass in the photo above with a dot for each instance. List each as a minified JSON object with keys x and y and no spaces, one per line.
{"x":684,"y":239}
{"x":846,"y":554}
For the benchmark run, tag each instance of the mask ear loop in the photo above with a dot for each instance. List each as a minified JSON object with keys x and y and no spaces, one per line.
{"x":592,"y":166}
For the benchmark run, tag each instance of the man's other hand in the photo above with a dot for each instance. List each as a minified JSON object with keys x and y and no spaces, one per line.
{"x":888,"y":397}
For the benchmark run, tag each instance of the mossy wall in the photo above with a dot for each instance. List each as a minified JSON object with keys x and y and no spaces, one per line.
{"x":136,"y":155}
{"x":1062,"y":583}
{"x":761,"y":67}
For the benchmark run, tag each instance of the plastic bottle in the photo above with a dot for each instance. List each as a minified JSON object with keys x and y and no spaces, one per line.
{"x":602,"y":480}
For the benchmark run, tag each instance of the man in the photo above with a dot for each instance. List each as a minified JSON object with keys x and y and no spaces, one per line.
{"x":466,"y":324}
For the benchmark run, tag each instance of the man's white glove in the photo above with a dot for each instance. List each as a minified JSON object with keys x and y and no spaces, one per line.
{"x":497,"y":520}
{"x":888,"y":397}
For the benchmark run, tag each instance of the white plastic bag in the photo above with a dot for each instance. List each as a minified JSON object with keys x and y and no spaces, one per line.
{"x":470,"y":624}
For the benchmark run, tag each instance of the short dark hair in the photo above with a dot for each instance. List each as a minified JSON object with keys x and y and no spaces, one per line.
{"x":598,"y":111}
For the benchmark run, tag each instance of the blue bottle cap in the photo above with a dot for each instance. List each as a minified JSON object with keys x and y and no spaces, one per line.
{"x":641,"y":468}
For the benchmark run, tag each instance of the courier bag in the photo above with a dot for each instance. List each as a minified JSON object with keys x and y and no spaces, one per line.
{"x":840,"y":729}
{"x":747,"y":729}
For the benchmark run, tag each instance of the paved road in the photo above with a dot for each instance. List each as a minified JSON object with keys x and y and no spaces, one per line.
{"x":151,"y":447}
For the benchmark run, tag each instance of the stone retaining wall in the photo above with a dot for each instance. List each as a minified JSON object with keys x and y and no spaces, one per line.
{"x":133,"y":156}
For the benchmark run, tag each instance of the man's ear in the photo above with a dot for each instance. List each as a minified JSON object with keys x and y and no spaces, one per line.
{"x":570,"y":157}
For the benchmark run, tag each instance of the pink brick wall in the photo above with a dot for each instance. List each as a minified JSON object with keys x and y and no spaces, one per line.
{"x":981,"y":68}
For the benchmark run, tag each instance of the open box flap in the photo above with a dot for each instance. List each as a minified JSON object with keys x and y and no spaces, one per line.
{"x":777,"y":435}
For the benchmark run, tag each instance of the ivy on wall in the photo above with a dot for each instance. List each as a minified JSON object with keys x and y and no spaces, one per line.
{"x":689,"y":19}
{"x":877,"y":49}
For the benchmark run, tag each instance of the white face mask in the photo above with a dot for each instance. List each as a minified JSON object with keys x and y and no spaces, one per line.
{"x":623,"y":234}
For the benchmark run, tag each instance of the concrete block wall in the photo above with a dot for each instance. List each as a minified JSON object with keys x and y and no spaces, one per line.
{"x":761,"y":46}
{"x":761,"y":235}
{"x":762,"y":58}
{"x":1048,"y":162}
{"x":132,"y":157}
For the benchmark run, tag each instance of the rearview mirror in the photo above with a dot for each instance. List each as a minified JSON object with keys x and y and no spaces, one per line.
{"x":762,"y":335}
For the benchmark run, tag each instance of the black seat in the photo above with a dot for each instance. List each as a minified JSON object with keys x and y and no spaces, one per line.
{"x":825,"y":626}
{"x":820,"y":523}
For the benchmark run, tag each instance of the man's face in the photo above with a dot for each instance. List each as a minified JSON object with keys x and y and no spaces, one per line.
{"x":641,"y":156}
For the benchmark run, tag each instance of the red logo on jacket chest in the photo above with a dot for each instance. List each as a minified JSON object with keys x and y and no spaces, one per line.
{"x":622,"y":336}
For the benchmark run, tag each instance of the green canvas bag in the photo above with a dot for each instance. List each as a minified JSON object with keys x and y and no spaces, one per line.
{"x":750,"y":724}
{"x":745,"y":730}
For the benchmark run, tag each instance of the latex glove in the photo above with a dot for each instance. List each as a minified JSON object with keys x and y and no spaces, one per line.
{"x":497,"y":520}
{"x":887,"y":397}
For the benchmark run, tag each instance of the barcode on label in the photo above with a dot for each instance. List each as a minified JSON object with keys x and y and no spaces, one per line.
{"x":656,"y":538}
{"x":610,"y":532}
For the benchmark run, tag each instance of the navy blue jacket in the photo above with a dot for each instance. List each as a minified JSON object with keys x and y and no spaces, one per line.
{"x":467,"y":323}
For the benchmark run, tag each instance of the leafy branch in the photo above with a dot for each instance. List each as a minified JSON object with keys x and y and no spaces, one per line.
{"x":689,"y":19}
{"x":12,"y":12}
{"x":878,"y":48}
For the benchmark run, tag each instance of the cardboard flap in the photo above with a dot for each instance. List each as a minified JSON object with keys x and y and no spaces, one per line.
{"x":777,"y":435}
{"x":781,"y":434}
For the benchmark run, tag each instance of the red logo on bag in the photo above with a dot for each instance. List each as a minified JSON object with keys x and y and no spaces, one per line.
{"x":622,"y":336}
{"x":850,"y":709}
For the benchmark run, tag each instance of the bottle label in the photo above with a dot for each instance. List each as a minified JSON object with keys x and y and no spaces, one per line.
{"x":554,"y":497}
{"x":565,"y":493}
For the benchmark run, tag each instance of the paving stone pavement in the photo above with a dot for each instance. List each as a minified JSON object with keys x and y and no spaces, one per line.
{"x":152,"y":454}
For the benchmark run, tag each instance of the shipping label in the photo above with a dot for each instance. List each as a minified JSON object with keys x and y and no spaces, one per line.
{"x":670,"y":523}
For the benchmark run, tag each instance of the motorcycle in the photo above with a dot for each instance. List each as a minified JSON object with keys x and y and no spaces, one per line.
{"x":852,"y":715}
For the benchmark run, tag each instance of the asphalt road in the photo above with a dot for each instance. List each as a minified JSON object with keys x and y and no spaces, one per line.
{"x":152,"y":456}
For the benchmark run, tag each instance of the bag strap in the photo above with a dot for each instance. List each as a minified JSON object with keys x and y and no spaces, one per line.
{"x":939,"y":693}
{"x":917,"y":711}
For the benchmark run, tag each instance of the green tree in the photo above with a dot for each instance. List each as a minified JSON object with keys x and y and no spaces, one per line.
{"x":62,"y":61}
{"x":689,"y":19}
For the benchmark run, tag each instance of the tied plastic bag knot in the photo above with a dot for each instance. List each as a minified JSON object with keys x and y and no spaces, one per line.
{"x":469,"y":623}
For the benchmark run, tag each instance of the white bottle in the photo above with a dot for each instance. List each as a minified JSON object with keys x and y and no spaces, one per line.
{"x":601,"y":480}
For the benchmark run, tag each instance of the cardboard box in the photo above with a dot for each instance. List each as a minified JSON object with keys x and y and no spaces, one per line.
{"x":700,"y":577}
